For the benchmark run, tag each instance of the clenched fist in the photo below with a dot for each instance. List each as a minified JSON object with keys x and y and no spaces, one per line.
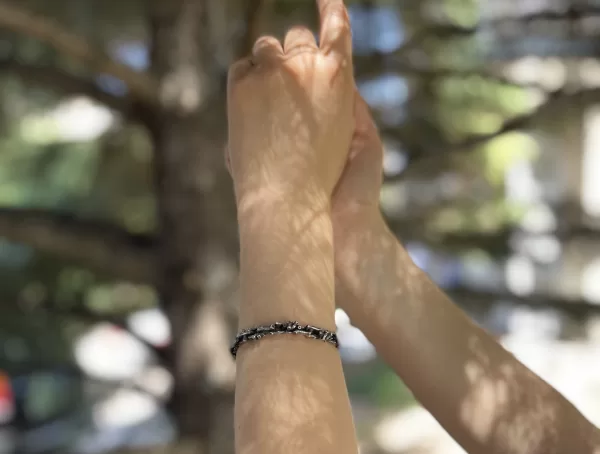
{"x":291,"y":112}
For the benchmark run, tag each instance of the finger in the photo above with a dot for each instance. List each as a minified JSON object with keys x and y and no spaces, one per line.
{"x":365,"y":124}
{"x":336,"y":36}
{"x":266,"y":49}
{"x":299,"y":39}
{"x":366,"y":134}
{"x":239,"y":70}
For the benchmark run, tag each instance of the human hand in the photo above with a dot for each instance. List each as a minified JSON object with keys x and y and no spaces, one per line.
{"x":357,"y":222}
{"x":357,"y":192}
{"x":291,"y":112}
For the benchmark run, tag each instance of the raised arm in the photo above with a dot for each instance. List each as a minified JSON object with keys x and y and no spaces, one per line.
{"x":291,"y":122}
{"x":486,"y":399}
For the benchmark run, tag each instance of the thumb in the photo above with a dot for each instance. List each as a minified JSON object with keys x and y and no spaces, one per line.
{"x":366,"y":135}
{"x":361,"y":181}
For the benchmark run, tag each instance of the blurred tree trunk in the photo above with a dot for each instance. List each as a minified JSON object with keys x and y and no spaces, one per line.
{"x":197,"y":238}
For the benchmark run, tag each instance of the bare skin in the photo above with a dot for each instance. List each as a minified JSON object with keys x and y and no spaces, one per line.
{"x":306,"y":159}
{"x":290,"y":123}
{"x":486,"y":399}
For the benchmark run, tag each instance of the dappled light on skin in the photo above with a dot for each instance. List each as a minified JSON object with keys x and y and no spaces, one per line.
{"x":296,"y":274}
{"x":299,"y":276}
{"x":294,"y":146}
{"x":488,"y":398}
{"x":298,"y":406}
{"x":290,"y":122}
{"x":364,"y":276}
{"x":492,"y":404}
{"x":302,"y":214}
{"x":485,"y":398}
{"x":185,"y":205}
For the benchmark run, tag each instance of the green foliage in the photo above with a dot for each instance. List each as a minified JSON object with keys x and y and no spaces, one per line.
{"x":476,"y":217}
{"x":464,"y":13}
{"x":120,"y":298}
{"x":31,"y":341}
{"x":111,"y":177}
{"x":380,"y":385}
{"x":505,"y":151}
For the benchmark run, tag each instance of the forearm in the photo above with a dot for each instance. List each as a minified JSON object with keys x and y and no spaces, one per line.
{"x":487,"y":400}
{"x":290,"y":393}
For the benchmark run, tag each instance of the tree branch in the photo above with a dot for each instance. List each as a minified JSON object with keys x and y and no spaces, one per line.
{"x":498,"y":243}
{"x":405,"y":60}
{"x":521,"y":122}
{"x":525,"y":16}
{"x":65,"y":83}
{"x":104,"y":248}
{"x":527,"y":120}
{"x":76,"y":47}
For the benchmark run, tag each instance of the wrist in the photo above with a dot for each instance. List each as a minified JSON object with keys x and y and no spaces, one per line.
{"x":266,"y":191}
{"x":267,"y":202}
{"x":353,"y":227}
{"x":286,"y":261}
{"x":365,"y":254}
{"x":277,"y":215}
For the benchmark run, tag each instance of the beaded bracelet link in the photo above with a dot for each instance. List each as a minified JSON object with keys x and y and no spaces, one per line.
{"x":291,"y":327}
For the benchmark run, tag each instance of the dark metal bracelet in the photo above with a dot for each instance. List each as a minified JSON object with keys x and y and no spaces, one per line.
{"x":252,"y":334}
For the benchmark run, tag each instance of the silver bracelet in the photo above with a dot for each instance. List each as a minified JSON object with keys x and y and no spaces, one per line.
{"x":291,"y":327}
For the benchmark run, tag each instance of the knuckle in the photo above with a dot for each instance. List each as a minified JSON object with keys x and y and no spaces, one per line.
{"x":267,"y":49}
{"x":234,"y":66}
{"x":238,"y":70}
{"x":266,"y":41}
{"x":339,"y":20}
{"x":299,"y":29}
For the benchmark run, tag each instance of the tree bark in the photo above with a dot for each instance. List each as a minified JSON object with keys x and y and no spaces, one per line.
{"x":197,"y":237}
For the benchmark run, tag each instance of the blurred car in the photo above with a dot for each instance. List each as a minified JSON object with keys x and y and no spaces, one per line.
{"x":102,"y":390}
{"x":129,"y":411}
{"x":38,"y":410}
{"x":7,"y":414}
{"x":7,"y":400}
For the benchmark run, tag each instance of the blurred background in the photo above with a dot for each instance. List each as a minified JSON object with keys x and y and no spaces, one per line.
{"x":118,"y":240}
